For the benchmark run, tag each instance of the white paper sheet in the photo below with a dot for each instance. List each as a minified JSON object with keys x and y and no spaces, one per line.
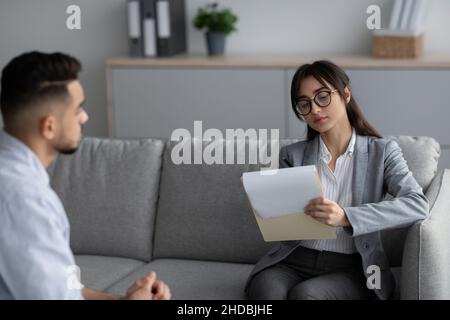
{"x":286,"y":192}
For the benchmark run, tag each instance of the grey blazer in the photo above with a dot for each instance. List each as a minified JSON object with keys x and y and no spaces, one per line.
{"x":379,"y":171}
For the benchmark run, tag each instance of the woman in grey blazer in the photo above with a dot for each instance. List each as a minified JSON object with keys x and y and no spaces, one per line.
{"x":358,"y":169}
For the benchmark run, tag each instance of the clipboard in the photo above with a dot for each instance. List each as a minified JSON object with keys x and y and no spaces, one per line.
{"x":293,"y":226}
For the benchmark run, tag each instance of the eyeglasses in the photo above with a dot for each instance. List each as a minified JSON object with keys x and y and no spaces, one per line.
{"x":322,"y":99}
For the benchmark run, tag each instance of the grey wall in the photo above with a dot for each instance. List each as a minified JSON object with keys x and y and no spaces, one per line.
{"x":265,"y":26}
{"x":41,"y":25}
{"x":315,"y":26}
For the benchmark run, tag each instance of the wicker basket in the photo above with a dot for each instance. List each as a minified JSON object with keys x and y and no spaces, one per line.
{"x":395,"y":46}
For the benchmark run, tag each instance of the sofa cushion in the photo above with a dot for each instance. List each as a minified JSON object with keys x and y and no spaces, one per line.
{"x":194,"y":280}
{"x":110,"y":189}
{"x":422,"y":155}
{"x":204,"y":214}
{"x":99,"y":273}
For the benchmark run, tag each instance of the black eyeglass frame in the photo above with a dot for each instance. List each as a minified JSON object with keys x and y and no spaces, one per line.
{"x":330,"y":92}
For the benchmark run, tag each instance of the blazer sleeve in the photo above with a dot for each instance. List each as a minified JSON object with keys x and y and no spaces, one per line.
{"x":284,"y":160}
{"x":408,"y":205}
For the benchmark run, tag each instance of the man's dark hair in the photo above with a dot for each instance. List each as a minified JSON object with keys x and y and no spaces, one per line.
{"x":33,"y":78}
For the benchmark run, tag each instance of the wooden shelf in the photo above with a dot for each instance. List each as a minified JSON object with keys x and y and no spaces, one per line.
{"x":291,"y":61}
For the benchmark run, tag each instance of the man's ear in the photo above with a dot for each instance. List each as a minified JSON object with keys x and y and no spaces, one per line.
{"x":48,"y":127}
{"x":348,"y":93}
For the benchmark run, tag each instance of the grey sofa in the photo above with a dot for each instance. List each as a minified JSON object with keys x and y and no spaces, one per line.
{"x":132,"y":210}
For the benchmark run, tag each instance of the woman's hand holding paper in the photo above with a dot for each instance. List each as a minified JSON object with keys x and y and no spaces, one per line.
{"x":327,"y":211}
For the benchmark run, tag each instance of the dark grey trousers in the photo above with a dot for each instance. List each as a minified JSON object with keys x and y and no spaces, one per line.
{"x":308,"y":274}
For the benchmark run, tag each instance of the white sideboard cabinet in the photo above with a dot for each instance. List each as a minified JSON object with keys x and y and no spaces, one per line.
{"x":155,"y":102}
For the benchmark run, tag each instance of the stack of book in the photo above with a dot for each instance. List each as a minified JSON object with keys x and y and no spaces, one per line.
{"x":404,"y":36}
{"x":156,"y":28}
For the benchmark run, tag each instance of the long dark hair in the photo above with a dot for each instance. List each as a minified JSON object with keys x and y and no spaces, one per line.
{"x":327,"y":71}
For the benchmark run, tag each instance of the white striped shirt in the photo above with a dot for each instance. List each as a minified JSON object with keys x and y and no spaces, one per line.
{"x":336,"y":186}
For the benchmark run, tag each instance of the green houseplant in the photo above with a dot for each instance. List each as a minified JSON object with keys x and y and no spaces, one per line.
{"x":218,"y":22}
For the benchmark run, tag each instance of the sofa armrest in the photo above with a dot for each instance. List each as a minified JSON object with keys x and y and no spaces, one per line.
{"x":426,"y":254}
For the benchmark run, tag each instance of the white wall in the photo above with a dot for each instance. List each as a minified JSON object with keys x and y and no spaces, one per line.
{"x":265,"y":26}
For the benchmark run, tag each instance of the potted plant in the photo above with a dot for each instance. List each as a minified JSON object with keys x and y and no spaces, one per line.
{"x":218,"y":24}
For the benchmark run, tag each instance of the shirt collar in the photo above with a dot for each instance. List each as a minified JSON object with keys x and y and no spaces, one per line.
{"x":325,"y":155}
{"x":23,"y":154}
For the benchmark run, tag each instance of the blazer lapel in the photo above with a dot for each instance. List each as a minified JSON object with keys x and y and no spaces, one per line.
{"x":360,"y":169}
{"x":311,"y":153}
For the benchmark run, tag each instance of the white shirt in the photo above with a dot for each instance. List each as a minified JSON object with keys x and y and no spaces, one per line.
{"x":35,"y":257}
{"x":337,"y":186}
